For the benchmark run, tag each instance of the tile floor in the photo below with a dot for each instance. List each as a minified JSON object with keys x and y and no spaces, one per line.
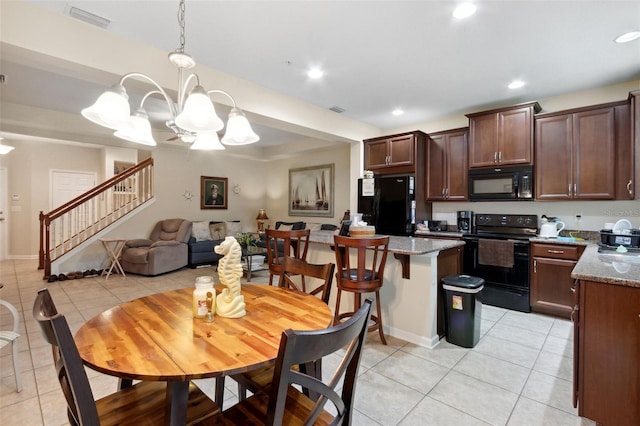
{"x":518,"y":374}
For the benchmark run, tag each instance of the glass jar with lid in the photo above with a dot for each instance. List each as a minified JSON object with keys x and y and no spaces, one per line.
{"x":203,"y":286}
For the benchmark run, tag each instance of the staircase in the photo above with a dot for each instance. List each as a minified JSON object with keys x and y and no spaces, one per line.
{"x":86,"y":217}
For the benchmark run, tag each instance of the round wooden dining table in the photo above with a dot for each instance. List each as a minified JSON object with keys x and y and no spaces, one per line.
{"x":156,"y":338}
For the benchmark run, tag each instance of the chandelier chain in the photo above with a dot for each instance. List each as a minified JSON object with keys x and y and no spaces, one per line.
{"x":181,"y":13}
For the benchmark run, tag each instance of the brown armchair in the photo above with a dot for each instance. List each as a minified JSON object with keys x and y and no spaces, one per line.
{"x":166,"y":249}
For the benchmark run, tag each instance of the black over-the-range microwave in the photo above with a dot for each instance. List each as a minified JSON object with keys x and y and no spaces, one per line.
{"x":510,"y":183}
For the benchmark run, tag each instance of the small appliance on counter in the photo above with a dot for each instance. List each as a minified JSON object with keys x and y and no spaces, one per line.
{"x":622,"y":234}
{"x":437,"y":225}
{"x":466,"y":222}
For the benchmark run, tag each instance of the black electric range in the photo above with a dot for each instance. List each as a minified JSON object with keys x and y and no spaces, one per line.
{"x":499,"y":251}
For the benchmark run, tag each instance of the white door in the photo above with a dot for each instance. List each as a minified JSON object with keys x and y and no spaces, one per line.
{"x":4,"y":222}
{"x":65,"y":186}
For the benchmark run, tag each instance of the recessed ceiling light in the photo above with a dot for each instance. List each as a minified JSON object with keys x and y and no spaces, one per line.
{"x":315,"y":73}
{"x":464,"y":10}
{"x":627,"y":37}
{"x":397,"y":111}
{"x":516,"y":84}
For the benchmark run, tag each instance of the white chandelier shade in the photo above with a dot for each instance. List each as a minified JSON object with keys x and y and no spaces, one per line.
{"x":199,"y":114}
{"x":111,"y":109}
{"x":207,"y":141}
{"x":137,"y":129}
{"x":191,"y":115}
{"x":239,"y":130}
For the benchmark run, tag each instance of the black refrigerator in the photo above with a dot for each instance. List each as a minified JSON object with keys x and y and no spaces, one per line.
{"x":388,"y":203}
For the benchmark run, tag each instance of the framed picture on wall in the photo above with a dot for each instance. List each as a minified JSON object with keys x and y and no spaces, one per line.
{"x":311,"y":191}
{"x":213,"y":192}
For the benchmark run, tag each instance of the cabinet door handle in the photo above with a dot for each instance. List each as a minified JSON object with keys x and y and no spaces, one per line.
{"x":556,"y":251}
{"x":569,"y":189}
{"x":446,"y":192}
{"x":442,"y":193}
{"x":535,"y":266}
{"x":629,"y":188}
{"x":575,"y":190}
{"x":495,"y":156}
{"x":572,"y":289}
{"x":499,"y":156}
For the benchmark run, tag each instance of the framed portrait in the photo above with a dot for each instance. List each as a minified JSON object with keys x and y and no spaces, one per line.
{"x":311,"y":191}
{"x":213,"y":192}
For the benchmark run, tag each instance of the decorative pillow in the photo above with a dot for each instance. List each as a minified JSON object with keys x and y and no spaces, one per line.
{"x":200,"y":231}
{"x":314,"y":226}
{"x":285,"y":227}
{"x":233,"y":228}
{"x":218,"y":230}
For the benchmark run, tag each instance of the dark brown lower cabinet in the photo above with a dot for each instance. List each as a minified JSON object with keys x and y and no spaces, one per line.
{"x":551,"y":281}
{"x":607,"y":333}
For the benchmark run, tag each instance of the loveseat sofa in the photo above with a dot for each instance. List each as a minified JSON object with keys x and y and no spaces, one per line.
{"x":205,"y":235}
{"x":294,"y":226}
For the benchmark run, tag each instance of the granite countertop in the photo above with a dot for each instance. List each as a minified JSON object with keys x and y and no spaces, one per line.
{"x":620,"y":269}
{"x":399,"y":245}
{"x":562,"y":240}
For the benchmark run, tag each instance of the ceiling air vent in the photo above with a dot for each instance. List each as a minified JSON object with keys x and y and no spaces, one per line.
{"x":88,"y":17}
{"x":337,"y":109}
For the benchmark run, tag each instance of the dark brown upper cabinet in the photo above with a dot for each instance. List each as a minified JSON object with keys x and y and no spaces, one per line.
{"x":401,"y":153}
{"x":447,"y":164}
{"x":503,"y":136}
{"x":584,"y":154}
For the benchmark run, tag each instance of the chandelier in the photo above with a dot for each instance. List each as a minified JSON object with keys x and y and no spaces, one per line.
{"x":193,"y":117}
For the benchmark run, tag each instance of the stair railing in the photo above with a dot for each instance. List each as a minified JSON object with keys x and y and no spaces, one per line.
{"x":73,"y":223}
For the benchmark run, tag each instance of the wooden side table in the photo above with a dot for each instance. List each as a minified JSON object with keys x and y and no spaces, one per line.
{"x":114,"y":247}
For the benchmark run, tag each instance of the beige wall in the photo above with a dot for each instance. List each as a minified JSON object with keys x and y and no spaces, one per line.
{"x":277,"y":186}
{"x":29,"y":167}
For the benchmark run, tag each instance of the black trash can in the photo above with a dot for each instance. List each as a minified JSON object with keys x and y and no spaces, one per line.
{"x":463,"y":310}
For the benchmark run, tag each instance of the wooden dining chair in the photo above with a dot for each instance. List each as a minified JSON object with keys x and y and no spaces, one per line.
{"x":321,"y":278}
{"x":360,"y":263}
{"x":141,"y":404}
{"x":284,"y":404}
{"x":280,"y":244}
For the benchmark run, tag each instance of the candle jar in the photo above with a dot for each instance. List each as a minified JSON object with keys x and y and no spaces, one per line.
{"x":203,"y":286}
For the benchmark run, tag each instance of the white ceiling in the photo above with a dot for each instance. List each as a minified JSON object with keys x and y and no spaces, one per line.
{"x":377,"y":55}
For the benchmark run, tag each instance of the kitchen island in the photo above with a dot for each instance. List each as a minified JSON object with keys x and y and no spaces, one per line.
{"x":607,"y":337}
{"x":410,"y":303}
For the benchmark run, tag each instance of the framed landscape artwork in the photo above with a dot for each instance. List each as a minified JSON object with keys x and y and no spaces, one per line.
{"x":213,"y":192}
{"x":311,"y":191}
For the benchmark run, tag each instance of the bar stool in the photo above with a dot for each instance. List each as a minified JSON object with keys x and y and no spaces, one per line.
{"x":292,"y":243}
{"x":359,"y":273}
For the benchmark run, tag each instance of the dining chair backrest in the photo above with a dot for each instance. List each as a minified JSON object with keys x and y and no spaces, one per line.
{"x":81,"y":407}
{"x":303,"y":348}
{"x":285,"y":243}
{"x":360,"y":262}
{"x":292,"y":267}
{"x":11,"y":337}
